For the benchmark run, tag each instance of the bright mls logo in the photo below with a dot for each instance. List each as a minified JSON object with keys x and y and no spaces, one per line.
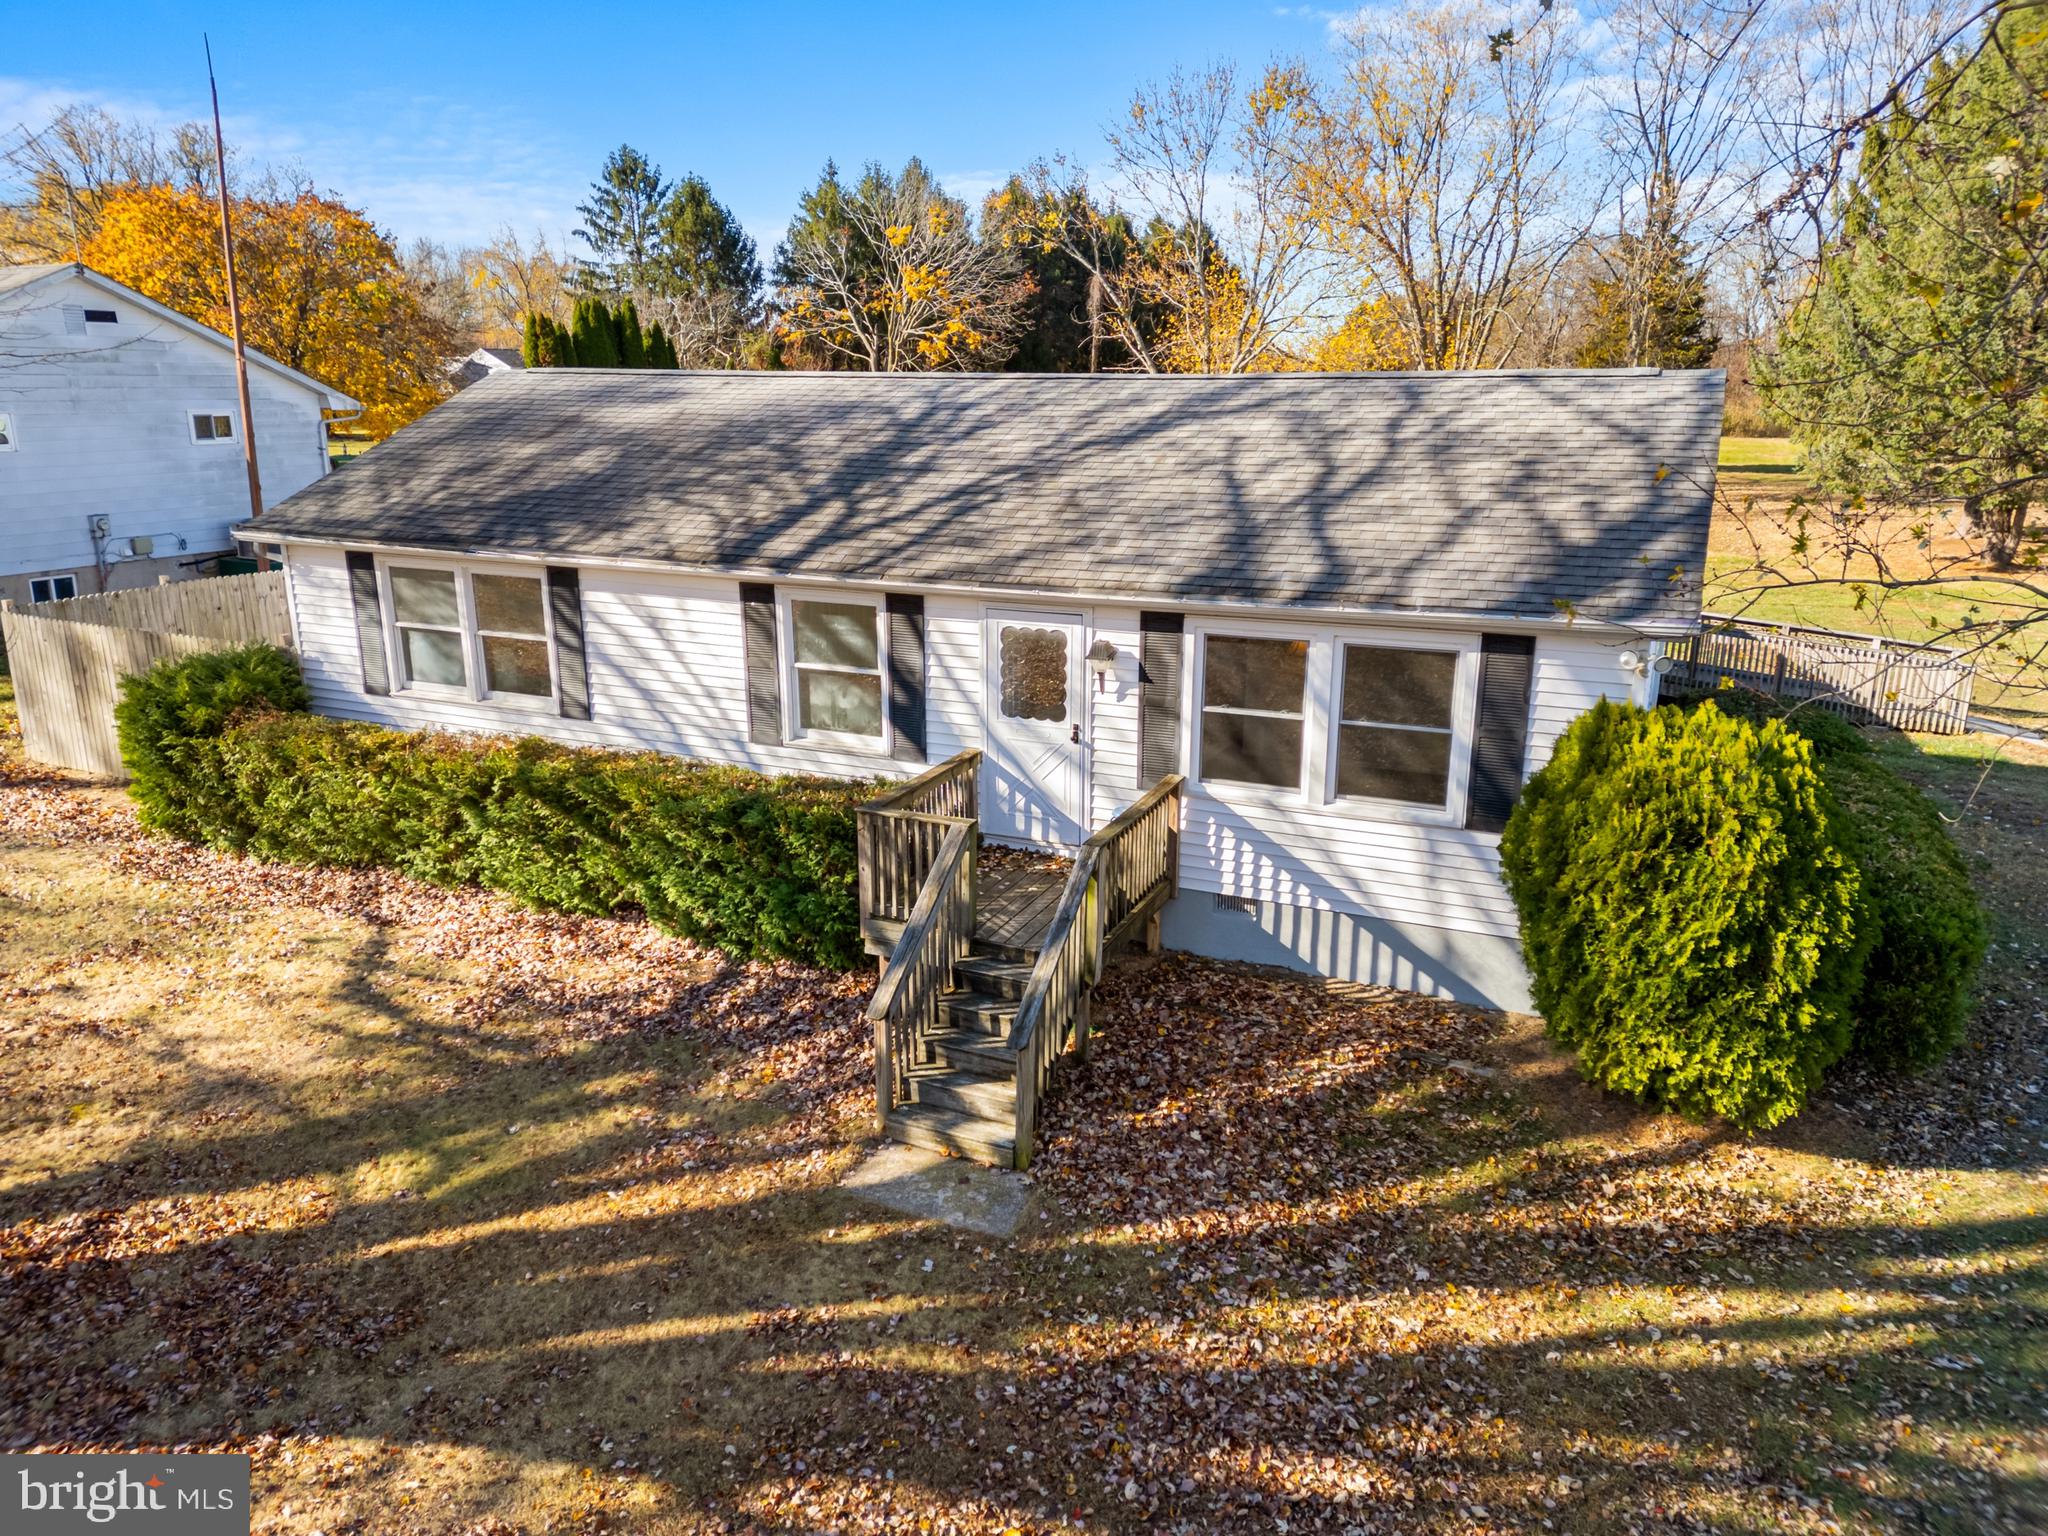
{"x":161,"y":1495}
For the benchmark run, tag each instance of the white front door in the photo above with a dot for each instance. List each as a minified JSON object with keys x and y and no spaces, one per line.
{"x":1032,"y":774}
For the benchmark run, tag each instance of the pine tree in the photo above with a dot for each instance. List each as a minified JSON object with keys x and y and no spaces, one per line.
{"x":1650,"y":305}
{"x":661,"y":352}
{"x":1914,"y":369}
{"x":620,"y":218}
{"x":529,"y":340}
{"x":596,"y":340}
{"x":632,"y":344}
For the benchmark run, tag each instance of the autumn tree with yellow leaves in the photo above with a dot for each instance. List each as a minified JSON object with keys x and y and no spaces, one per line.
{"x":1431,"y":168}
{"x":322,"y":289}
{"x":887,"y":276}
{"x":1224,"y":276}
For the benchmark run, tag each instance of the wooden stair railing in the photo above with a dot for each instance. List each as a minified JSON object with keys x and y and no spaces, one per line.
{"x":1121,"y":878}
{"x":937,"y":935}
{"x":899,"y":835}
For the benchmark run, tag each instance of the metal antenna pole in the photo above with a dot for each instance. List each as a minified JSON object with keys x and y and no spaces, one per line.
{"x":227,"y":246}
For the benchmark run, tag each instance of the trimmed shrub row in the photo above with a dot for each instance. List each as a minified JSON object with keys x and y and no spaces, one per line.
{"x":753,"y":864}
{"x":1716,"y":907}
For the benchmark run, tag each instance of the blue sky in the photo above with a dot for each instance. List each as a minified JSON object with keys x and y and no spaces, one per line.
{"x":451,"y":123}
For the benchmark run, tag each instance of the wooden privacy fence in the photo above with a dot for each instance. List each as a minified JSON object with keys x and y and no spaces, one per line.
{"x":68,"y":657}
{"x":1861,"y":677}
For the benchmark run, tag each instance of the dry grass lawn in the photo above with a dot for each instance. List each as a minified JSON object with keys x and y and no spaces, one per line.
{"x":463,"y":1219}
{"x":1760,"y":479}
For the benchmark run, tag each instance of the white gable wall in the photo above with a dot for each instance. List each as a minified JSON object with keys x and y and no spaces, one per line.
{"x":1404,"y":902}
{"x":101,"y":424}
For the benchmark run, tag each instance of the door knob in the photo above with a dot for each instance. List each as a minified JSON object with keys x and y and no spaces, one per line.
{"x":1076,"y":737}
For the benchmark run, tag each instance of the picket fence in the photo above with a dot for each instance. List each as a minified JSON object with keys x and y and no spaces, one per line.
{"x":1860,"y":677}
{"x":68,"y":657}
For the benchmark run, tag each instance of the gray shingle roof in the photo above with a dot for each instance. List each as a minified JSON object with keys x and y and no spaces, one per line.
{"x":1509,"y":494}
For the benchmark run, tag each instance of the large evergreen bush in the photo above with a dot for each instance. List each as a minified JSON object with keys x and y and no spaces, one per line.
{"x":1917,"y":908}
{"x":752,"y":864}
{"x":1687,"y":909}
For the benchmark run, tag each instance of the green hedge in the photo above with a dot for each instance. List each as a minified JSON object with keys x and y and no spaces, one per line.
{"x":1918,"y":909}
{"x":755,"y":865}
{"x":1687,"y":909}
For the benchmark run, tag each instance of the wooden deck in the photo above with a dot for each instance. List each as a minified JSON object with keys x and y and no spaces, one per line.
{"x":1015,"y":897}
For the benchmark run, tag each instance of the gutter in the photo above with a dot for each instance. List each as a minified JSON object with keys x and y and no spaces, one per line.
{"x":1436,"y":618}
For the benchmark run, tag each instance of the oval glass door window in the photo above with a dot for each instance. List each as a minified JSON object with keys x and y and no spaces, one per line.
{"x":1034,"y":673}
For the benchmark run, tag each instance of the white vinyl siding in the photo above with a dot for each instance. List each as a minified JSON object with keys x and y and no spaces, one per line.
{"x":1352,"y":856}
{"x":666,"y":669}
{"x":103,"y":424}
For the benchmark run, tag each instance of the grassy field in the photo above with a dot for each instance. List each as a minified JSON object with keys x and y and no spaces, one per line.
{"x":1759,"y":478}
{"x":467,"y":1220}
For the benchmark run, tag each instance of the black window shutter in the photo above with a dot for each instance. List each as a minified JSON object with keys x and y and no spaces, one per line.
{"x":565,"y":607}
{"x":362,"y":586}
{"x":1159,"y":669}
{"x":764,"y":667}
{"x":1500,"y":729}
{"x":906,"y":675}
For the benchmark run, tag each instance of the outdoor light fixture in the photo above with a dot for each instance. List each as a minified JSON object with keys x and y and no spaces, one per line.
{"x":1102,"y":662}
{"x":1642,"y":666}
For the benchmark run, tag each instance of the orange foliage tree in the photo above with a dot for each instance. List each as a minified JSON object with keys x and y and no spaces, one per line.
{"x":322,"y":289}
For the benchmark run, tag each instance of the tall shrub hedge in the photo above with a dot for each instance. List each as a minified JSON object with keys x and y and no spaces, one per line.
{"x":753,"y":864}
{"x":1688,"y":909}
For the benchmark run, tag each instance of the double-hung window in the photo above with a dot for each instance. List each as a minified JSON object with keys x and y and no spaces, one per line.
{"x":836,"y":654}
{"x":482,"y":633}
{"x":1253,"y":695}
{"x":426,"y":610}
{"x":1394,"y":730}
{"x":512,"y":633}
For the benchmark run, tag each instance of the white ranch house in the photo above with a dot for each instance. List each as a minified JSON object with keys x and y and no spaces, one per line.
{"x":121,"y":438}
{"x":1330,"y":623}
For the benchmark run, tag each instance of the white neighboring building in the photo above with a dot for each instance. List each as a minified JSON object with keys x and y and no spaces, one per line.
{"x":121,"y":440}
{"x":484,"y":362}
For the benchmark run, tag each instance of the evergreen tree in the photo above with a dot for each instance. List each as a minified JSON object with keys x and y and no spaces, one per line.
{"x":557,"y":347}
{"x":661,"y":352}
{"x":594,"y":334}
{"x":1650,"y":302}
{"x":529,"y":340}
{"x":1915,"y":369}
{"x":632,"y":343}
{"x":1064,"y":330}
{"x":620,"y":221}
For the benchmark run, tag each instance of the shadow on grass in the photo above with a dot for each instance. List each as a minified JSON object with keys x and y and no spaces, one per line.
{"x":463,"y":1231}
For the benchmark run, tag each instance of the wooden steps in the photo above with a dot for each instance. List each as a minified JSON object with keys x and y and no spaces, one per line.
{"x":961,"y":935}
{"x":963,"y":1088}
{"x":945,"y":1130}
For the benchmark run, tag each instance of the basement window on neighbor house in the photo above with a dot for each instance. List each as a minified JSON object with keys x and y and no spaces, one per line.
{"x":210,"y":427}
{"x":837,"y":655}
{"x":1394,"y":734}
{"x":52,"y":589}
{"x":1252,"y":692}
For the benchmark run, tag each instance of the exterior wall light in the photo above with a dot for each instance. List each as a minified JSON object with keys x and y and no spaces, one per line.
{"x":1640,"y":665}
{"x":1102,"y":662}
